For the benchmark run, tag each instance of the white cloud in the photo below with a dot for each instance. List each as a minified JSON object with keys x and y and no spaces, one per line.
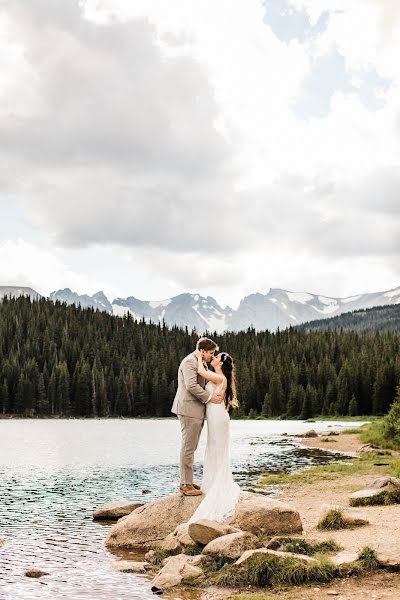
{"x":162,"y":137}
{"x":24,"y":263}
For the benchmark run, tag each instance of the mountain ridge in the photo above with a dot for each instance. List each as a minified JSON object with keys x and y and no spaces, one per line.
{"x":278,"y":308}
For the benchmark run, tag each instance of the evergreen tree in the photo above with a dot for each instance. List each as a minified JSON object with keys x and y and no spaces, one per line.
{"x":353,"y":407}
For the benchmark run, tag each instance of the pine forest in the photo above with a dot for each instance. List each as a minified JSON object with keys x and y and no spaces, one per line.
{"x":59,"y":360}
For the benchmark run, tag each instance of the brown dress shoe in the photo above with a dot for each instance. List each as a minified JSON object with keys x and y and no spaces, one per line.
{"x":189,"y":490}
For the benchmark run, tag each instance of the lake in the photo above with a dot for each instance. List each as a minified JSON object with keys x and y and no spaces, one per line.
{"x":55,"y":472}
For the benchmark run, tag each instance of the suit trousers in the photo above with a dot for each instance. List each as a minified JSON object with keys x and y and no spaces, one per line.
{"x":191,"y":429}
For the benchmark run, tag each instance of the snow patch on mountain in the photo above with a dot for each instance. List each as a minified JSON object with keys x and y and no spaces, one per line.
{"x":301,"y":297}
{"x":351,"y":299}
{"x":156,"y":304}
{"x":392,"y":293}
{"x":121,"y":311}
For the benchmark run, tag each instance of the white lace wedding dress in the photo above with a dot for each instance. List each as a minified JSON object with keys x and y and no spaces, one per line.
{"x":221,"y":491}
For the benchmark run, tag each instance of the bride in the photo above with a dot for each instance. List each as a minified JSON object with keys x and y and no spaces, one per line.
{"x":221,"y":491}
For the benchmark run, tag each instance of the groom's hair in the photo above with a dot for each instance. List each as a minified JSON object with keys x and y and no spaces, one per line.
{"x":206,"y":344}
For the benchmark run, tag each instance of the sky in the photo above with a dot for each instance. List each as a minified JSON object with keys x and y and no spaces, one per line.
{"x":152,"y":148}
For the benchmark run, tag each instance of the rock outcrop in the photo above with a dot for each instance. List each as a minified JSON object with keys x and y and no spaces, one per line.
{"x":116,"y":510}
{"x":149,"y":525}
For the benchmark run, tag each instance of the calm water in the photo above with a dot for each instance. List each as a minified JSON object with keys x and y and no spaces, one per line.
{"x":54,"y":473}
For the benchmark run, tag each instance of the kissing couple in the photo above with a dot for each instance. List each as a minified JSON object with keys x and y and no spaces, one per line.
{"x":206,"y":394}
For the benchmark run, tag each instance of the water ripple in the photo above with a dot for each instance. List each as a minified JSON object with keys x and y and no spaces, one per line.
{"x":53,"y":474}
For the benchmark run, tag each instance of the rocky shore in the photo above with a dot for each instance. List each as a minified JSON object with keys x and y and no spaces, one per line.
{"x":276,"y":536}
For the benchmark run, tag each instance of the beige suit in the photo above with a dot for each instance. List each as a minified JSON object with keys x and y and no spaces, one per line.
{"x":190,"y":406}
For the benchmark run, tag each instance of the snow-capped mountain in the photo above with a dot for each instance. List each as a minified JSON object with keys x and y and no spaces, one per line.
{"x":278,"y":308}
{"x":281,"y":308}
{"x":14,"y":291}
{"x":191,"y":310}
{"x":99,"y":300}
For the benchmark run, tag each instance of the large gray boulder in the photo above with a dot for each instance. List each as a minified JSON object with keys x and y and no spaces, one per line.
{"x":116,"y":510}
{"x":231,"y":546}
{"x":147,"y":526}
{"x":204,"y":531}
{"x":263,"y":515}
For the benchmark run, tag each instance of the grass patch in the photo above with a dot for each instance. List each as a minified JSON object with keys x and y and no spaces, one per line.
{"x":268,"y":570}
{"x":385,"y":497}
{"x":368,"y":559}
{"x":333,"y":520}
{"x":328,"y":439}
{"x":344,"y":418}
{"x":375,"y":434}
{"x":353,"y":430}
{"x":193,"y":550}
{"x":300,"y":546}
{"x":261,"y":596}
{"x":245,"y":596}
{"x":362,"y":465}
{"x":160,"y":554}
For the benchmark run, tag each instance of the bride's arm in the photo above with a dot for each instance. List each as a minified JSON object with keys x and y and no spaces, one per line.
{"x":209,"y":375}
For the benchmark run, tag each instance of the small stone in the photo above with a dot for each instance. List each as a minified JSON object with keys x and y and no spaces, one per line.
{"x":150,"y":557}
{"x":176,"y":570}
{"x":344,"y":557}
{"x":130,"y":566}
{"x":35,"y":572}
{"x":250,"y":553}
{"x":116,"y":510}
{"x":204,"y":531}
{"x":231,"y":546}
{"x":178,"y":540}
{"x":389,"y":558}
{"x":332,"y":593}
{"x":310,"y":434}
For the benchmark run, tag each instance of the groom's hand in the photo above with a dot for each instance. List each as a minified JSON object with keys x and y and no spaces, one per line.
{"x":217,"y":399}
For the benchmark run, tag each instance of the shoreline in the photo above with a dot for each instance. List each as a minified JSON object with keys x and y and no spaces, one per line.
{"x":309,"y":496}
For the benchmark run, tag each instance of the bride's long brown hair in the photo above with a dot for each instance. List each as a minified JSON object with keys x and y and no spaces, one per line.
{"x":228,"y":370}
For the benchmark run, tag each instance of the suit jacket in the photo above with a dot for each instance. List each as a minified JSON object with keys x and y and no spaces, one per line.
{"x":191,"y":397}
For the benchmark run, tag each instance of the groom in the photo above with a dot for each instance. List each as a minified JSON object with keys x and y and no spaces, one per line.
{"x":190,"y":406}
